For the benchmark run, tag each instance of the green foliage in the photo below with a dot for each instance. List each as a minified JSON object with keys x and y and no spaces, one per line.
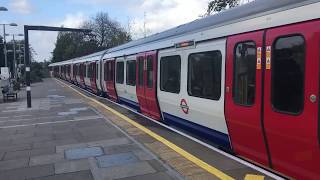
{"x":106,"y":33}
{"x":39,"y":70}
{"x":220,"y":5}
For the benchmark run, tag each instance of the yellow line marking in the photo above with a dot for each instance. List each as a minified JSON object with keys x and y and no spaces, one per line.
{"x":253,"y":177}
{"x":174,"y":147}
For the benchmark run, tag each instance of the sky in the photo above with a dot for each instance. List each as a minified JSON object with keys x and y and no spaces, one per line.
{"x":158,"y":15}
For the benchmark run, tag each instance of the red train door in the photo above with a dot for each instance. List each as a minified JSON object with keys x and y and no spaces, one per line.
{"x":82,"y":74}
{"x":110,"y":82}
{"x":93,"y":77}
{"x":140,"y":87}
{"x":243,"y":96}
{"x":292,"y":99}
{"x":147,"y":84}
{"x":151,"y":85}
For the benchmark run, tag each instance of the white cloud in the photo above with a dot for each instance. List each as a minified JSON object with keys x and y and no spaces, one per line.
{"x":73,"y":20}
{"x":165,"y":14}
{"x":44,"y":42}
{"x":21,"y":6}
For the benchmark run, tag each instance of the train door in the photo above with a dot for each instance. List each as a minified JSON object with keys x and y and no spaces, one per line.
{"x":292,"y":99}
{"x":82,"y":74}
{"x":110,"y":82}
{"x":140,"y":73}
{"x":147,"y":84}
{"x":98,"y":77}
{"x":93,"y":76}
{"x":243,"y":96}
{"x":120,"y":80}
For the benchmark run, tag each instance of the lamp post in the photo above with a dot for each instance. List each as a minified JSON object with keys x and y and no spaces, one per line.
{"x":14,"y":53}
{"x":4,"y":42}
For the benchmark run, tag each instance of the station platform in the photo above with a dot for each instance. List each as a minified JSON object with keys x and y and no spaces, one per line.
{"x":71,"y":134}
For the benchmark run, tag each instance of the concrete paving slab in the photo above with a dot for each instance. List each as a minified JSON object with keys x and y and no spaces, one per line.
{"x":71,"y":166}
{"x":116,"y":160}
{"x":14,"y":163}
{"x":61,"y":149}
{"x":110,"y":142}
{"x":128,"y":170}
{"x":142,"y":155}
{"x":80,"y":175}
{"x":154,"y":176}
{"x":81,"y":153}
{"x":27,"y":172}
{"x":46,"y":159}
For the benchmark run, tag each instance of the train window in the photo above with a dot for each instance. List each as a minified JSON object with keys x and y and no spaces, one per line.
{"x":149,"y":72}
{"x":120,"y":72}
{"x":244,"y":79}
{"x":140,"y":70}
{"x":105,"y":75}
{"x":97,"y":70}
{"x":111,"y":71}
{"x":131,"y":73}
{"x":204,"y":75}
{"x":170,"y":74}
{"x":288,"y":69}
{"x":89,"y":71}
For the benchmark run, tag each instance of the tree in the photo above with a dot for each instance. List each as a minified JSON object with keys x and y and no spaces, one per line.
{"x":70,"y":45}
{"x":220,"y":5}
{"x":106,"y":33}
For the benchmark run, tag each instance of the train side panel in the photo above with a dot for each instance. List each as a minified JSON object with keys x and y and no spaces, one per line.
{"x":197,"y":103}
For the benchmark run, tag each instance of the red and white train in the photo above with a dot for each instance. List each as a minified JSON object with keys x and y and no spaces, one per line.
{"x":247,"y":79}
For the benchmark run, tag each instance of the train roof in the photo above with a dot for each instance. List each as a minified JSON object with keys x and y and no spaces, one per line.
{"x":254,"y":9}
{"x":257,"y":7}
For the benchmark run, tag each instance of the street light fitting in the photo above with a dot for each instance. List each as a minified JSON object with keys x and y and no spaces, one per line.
{"x":3,"y":9}
{"x":13,"y":24}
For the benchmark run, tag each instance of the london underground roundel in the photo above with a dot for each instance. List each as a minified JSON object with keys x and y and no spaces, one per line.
{"x":184,"y":106}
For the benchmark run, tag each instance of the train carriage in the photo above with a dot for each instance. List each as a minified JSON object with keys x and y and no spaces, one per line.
{"x":247,"y":79}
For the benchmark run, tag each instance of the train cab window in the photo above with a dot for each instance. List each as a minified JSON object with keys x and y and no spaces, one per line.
{"x":288,"y":69}
{"x":120,"y":72}
{"x":149,"y":72}
{"x":170,"y":74}
{"x":204,"y":75}
{"x":131,"y":73}
{"x":140,"y":70}
{"x":244,"y":79}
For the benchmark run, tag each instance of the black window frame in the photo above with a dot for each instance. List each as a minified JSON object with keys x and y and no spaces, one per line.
{"x":117,"y":71}
{"x":188,"y":75}
{"x":127,"y":72}
{"x":233,"y":78}
{"x":272,"y":74}
{"x":161,"y":87}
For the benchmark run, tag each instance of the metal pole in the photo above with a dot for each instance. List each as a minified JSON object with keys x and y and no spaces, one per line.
{"x":14,"y":58}
{"x":27,"y":64}
{"x":5,"y":46}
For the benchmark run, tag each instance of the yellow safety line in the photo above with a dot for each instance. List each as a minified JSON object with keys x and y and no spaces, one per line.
{"x":174,"y":147}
